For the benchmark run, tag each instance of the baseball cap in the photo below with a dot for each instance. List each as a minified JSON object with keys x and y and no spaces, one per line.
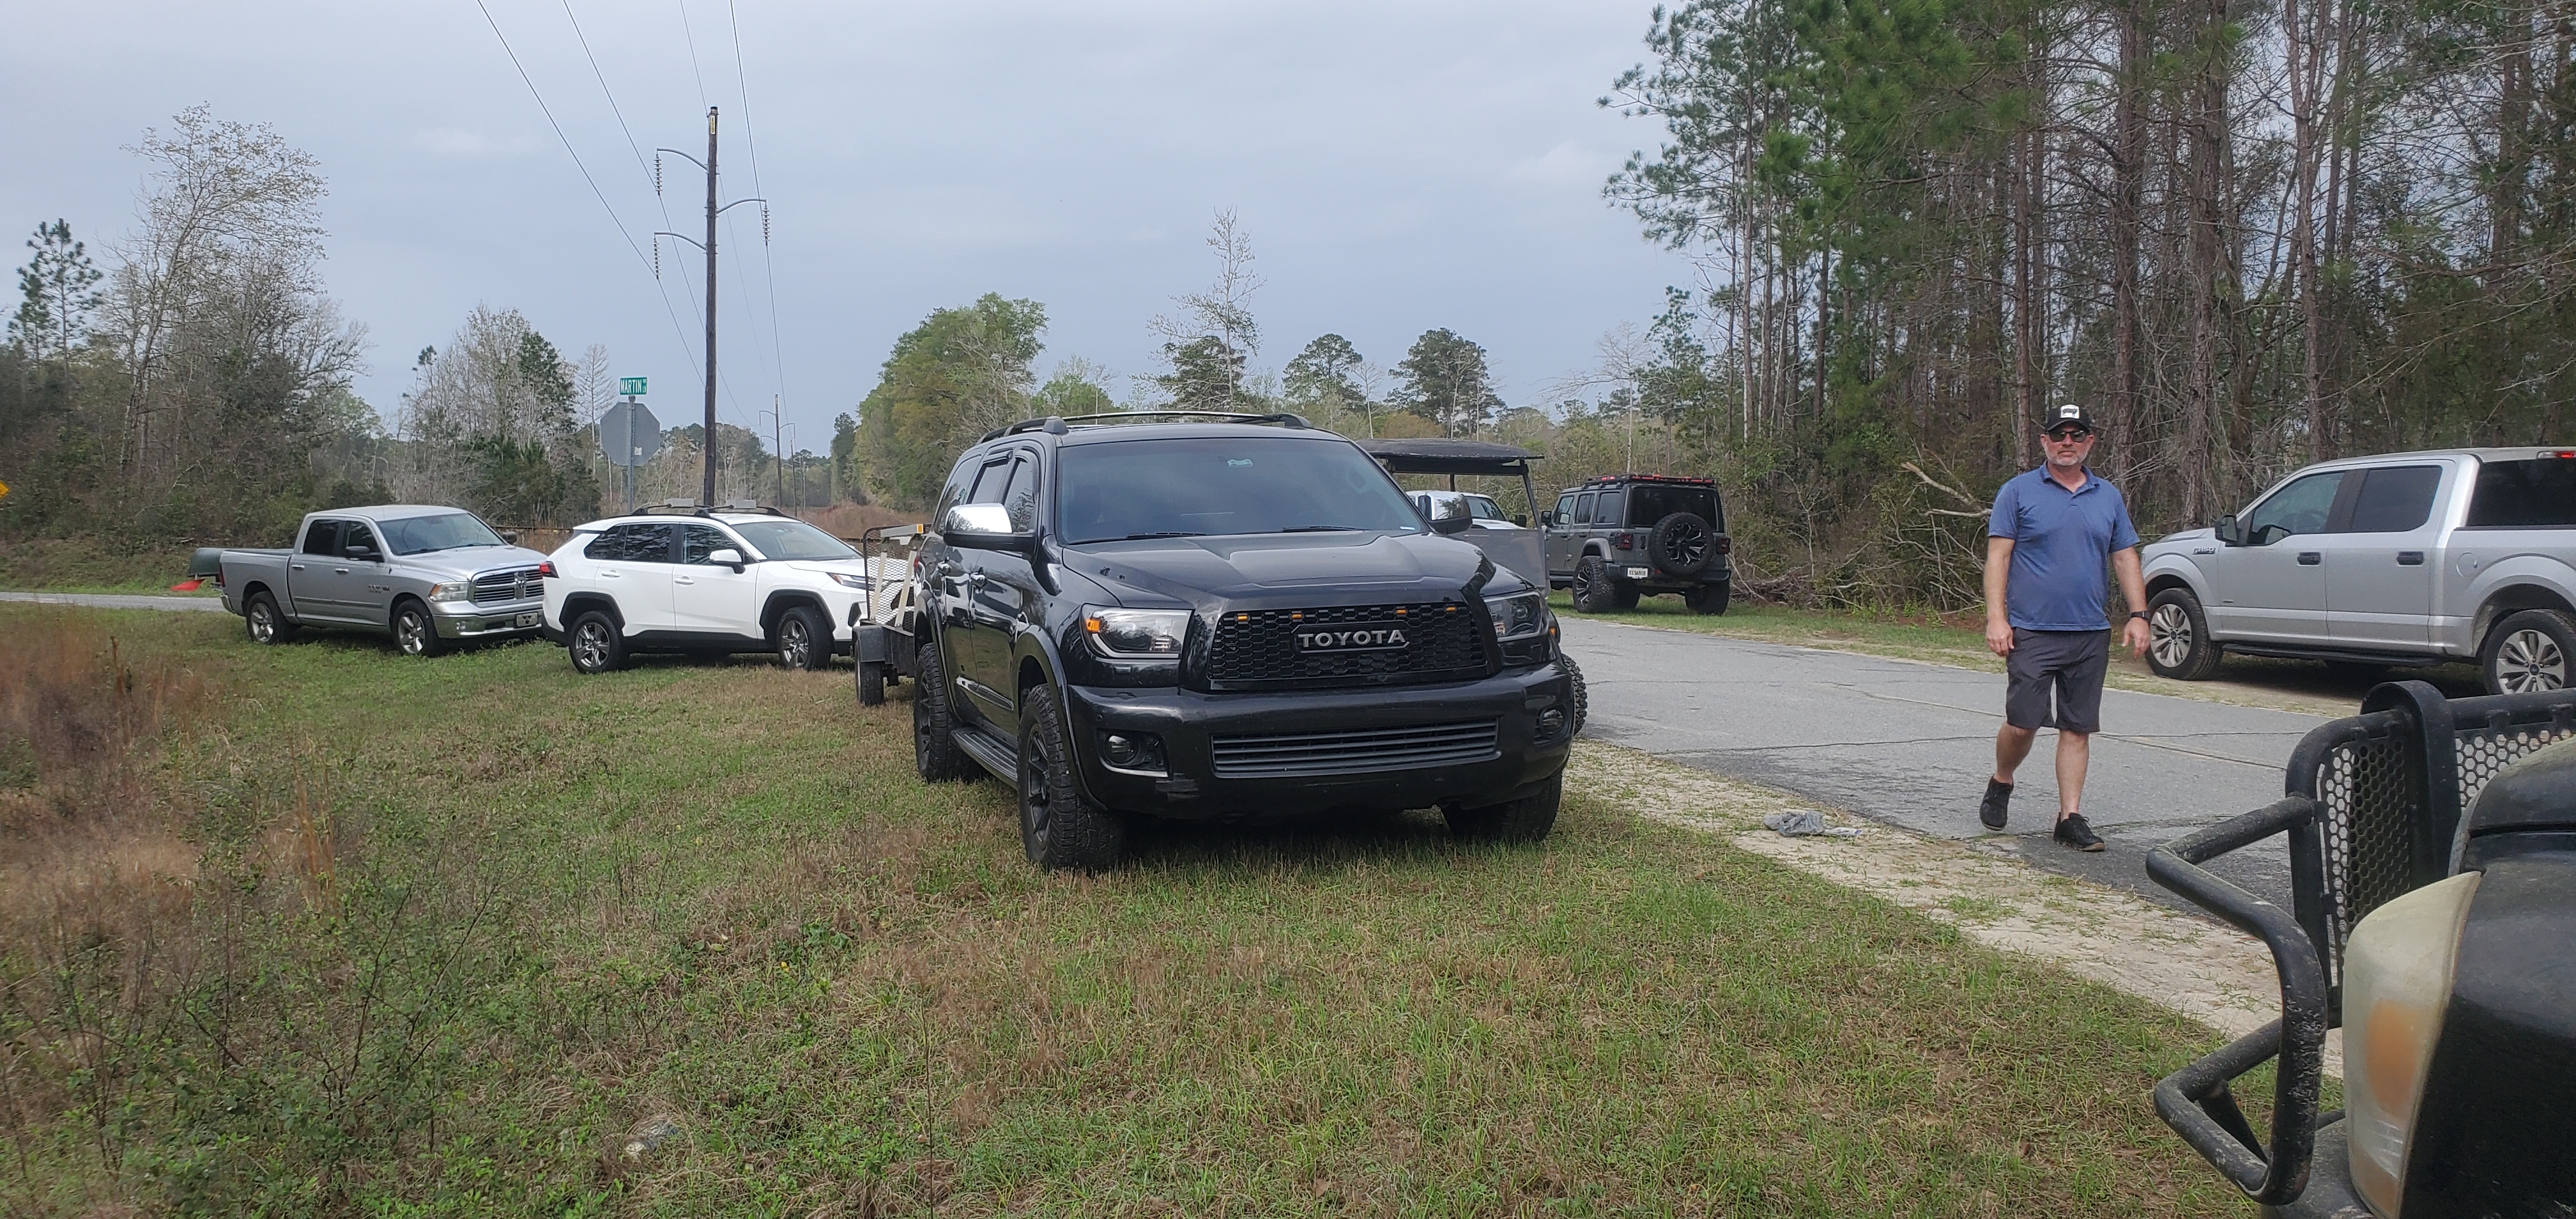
{"x":2067,"y":414}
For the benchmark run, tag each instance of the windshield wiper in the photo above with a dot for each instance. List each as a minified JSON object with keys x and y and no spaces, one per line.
{"x":1178,"y":533}
{"x":1321,"y":529}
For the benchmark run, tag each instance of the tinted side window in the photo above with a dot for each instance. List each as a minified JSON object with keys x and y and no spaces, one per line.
{"x":1583,"y":509}
{"x":1606,"y":512}
{"x":1565,"y":510}
{"x":699,"y":541}
{"x":2298,"y":508}
{"x":2394,"y":499}
{"x":1020,"y":495}
{"x":632,"y":544}
{"x":2525,"y":494}
{"x":322,"y":537}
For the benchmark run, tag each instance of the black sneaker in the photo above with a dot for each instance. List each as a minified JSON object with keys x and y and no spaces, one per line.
{"x":2075,"y":833}
{"x":1991,"y":812}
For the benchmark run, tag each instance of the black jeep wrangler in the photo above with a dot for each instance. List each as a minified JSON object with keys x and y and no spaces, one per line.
{"x":1236,"y":617}
{"x":1619,"y":536}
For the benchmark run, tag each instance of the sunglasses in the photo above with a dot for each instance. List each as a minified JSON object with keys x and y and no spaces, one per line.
{"x":2070,"y":435}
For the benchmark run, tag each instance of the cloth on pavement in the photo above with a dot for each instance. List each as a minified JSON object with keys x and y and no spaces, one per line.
{"x":1805,"y":823}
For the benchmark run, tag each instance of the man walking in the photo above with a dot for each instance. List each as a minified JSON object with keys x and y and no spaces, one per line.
{"x":2051,"y":529}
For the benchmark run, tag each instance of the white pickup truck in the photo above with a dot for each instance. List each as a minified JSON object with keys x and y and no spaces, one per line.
{"x":2399,"y":559}
{"x":429,"y":576}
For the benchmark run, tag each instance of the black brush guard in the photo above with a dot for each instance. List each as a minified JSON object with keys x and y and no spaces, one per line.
{"x":2372,"y":811}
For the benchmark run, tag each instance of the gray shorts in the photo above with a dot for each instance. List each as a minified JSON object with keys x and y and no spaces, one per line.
{"x":2068,"y":664}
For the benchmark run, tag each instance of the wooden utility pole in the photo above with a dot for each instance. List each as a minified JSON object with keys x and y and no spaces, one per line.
{"x":709,"y":498}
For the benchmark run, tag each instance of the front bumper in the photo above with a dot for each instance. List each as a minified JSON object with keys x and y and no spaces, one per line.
{"x":1189,"y":722}
{"x":2329,"y":1194}
{"x":473,"y":620}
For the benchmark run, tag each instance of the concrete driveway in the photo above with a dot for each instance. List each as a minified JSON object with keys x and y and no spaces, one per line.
{"x":1911,"y":744}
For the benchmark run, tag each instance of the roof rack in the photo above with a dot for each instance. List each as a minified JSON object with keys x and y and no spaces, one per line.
{"x":689,"y":507}
{"x":1650,"y":478}
{"x":1057,"y":425}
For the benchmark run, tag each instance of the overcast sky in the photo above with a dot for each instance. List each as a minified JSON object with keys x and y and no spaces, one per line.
{"x":1398,"y":167}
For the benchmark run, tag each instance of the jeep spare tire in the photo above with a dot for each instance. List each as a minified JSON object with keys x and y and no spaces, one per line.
{"x":1682,"y":544}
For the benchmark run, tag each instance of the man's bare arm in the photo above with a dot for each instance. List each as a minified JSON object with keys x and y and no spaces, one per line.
{"x":1998,"y":566}
{"x":2133,"y":589}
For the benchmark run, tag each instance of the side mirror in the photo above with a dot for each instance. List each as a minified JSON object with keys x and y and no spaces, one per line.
{"x":367,"y":553}
{"x":727,"y":556}
{"x":1521,"y":519}
{"x":511,"y":536}
{"x":1547,"y":519}
{"x":983,"y":527}
{"x":2226,"y":531}
{"x":1452,"y":525}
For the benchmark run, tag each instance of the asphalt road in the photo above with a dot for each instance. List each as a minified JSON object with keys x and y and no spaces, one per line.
{"x":1911,"y":744}
{"x":119,"y":601}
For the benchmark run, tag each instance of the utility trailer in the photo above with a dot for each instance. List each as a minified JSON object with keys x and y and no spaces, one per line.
{"x":885,"y":624}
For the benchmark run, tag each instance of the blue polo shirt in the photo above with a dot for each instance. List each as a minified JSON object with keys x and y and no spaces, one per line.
{"x":2061,"y":539}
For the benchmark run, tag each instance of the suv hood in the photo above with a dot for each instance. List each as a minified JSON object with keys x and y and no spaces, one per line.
{"x":470,"y":561}
{"x":1284,"y":569}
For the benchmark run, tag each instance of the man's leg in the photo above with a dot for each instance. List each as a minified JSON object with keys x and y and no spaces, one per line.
{"x":2074,"y":753}
{"x":2011,"y":746}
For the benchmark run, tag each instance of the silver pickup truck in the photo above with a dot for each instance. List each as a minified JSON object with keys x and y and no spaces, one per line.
{"x":431,"y":576}
{"x":2401,"y":559}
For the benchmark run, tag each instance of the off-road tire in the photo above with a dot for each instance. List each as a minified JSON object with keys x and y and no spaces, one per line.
{"x":871,"y":682}
{"x":1682,"y":545}
{"x":935,"y":755}
{"x":1623,"y":595}
{"x":1060,"y":829}
{"x":802,"y":640}
{"x":595,"y":644}
{"x":2178,"y":642}
{"x":415,"y":631}
{"x":2529,"y":651}
{"x":266,"y":623}
{"x":1594,"y":591}
{"x":1582,"y":699}
{"x":1526,"y":819}
{"x":1709,"y":599}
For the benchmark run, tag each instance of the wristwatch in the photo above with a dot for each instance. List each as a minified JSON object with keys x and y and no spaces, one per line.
{"x":2139,"y":614}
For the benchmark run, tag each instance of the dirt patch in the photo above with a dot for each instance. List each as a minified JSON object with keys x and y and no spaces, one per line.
{"x":2211,"y":973}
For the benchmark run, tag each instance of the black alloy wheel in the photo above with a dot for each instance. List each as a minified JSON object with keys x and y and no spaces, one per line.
{"x":267,"y":626}
{"x":2529,"y":652}
{"x":1709,"y":599}
{"x":804,"y":639}
{"x":1595,"y":590}
{"x":1060,"y":829}
{"x":595,"y":644}
{"x":935,"y":756}
{"x":1682,"y":544}
{"x":415,"y":632}
{"x":2178,"y":642}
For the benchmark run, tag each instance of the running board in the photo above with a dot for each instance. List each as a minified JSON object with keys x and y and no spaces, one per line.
{"x":988,"y":751}
{"x":2295,"y":652}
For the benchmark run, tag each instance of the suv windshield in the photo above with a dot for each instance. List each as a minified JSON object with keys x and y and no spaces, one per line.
{"x":1649,"y":503}
{"x":1190,"y":486}
{"x":792,"y":540}
{"x":450,"y":531}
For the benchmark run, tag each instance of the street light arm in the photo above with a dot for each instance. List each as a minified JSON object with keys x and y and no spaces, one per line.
{"x":684,"y":156}
{"x":680,"y":237}
{"x":738,"y":203}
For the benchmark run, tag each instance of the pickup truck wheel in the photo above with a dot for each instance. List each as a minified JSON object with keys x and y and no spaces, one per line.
{"x":804,"y":638}
{"x":2178,"y":642}
{"x":1594,"y":591}
{"x":415,"y":632}
{"x":934,"y":744}
{"x":1582,"y":699}
{"x":1709,"y":599}
{"x":1060,"y":829}
{"x":266,"y":624}
{"x":871,"y":681}
{"x":595,"y":644}
{"x":2530,"y":651}
{"x":1526,"y":819}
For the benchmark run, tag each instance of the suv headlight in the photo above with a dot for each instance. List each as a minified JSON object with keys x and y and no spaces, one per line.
{"x":846,"y":580}
{"x":2396,"y":985}
{"x":453,"y":590}
{"x":1130,"y":634}
{"x":1519,"y":615}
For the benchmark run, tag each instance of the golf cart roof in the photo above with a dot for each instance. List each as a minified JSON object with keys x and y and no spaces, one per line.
{"x":1438,"y":456}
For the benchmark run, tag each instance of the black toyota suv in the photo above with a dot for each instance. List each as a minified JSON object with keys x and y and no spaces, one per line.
{"x":1223,"y":617}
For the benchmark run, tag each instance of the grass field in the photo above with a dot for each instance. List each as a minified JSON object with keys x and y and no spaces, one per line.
{"x":318,"y":929}
{"x":92,"y":565}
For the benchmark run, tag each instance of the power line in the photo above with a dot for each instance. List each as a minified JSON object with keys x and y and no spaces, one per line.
{"x":768,"y":259}
{"x":601,"y":195}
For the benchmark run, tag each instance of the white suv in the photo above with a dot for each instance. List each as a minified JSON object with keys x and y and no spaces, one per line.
{"x":685,"y":579}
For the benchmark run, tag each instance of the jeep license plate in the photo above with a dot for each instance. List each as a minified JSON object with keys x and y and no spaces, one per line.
{"x":1640,"y":573}
{"x":1350,"y":637}
{"x":527,"y":620}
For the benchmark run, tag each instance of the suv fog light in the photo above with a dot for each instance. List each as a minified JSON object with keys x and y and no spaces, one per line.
{"x":1132,"y":750}
{"x":1550,"y":722}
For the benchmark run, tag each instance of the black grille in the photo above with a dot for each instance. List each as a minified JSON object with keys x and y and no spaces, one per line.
{"x":1258,"y":648}
{"x":1356,"y":751}
{"x":498,"y":587}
